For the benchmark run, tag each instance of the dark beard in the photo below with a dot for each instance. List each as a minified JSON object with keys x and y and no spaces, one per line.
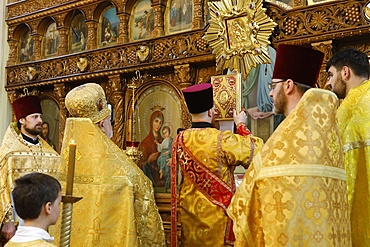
{"x":33,"y":131}
{"x":341,"y":93}
{"x":280,"y":104}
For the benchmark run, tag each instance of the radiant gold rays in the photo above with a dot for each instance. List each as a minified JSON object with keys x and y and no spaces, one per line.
{"x":238,"y":33}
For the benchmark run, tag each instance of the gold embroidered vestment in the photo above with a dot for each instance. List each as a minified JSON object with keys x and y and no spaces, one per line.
{"x":294,"y":193}
{"x":354,"y":120}
{"x":18,"y":158}
{"x":35,"y":243}
{"x":203,"y":222}
{"x":118,"y":206}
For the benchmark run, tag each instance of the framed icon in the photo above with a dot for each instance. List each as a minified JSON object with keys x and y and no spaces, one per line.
{"x":158,"y":114}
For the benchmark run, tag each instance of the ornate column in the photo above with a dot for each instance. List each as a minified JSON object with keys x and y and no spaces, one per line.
{"x":63,"y":41}
{"x":13,"y":52}
{"x":116,"y":98}
{"x":123,"y":28}
{"x":12,"y":95}
{"x":325,"y":47}
{"x":158,"y":20}
{"x":60,"y":92}
{"x":182,"y":75}
{"x":92,"y":35}
{"x":198,"y":14}
{"x":37,"y":49}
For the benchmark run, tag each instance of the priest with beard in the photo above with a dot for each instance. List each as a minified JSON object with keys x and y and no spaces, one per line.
{"x":294,"y":193}
{"x":22,"y":152}
{"x":348,"y":78}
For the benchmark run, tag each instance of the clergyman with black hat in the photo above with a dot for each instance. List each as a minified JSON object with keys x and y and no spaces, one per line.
{"x":118,"y":204}
{"x":22,"y":152}
{"x":294,"y":193}
{"x":207,"y":158}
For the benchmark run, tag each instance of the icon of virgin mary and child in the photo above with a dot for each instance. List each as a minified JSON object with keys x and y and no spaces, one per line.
{"x":156,"y":148}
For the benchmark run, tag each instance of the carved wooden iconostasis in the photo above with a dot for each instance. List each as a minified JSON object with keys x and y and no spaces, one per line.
{"x":56,"y":45}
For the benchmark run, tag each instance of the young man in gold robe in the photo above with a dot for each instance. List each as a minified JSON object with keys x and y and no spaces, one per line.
{"x":294,"y":193}
{"x":22,"y":152}
{"x":118,"y":206}
{"x":207,"y":158}
{"x":348,"y":73}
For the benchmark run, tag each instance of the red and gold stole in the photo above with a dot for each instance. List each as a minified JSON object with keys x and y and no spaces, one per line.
{"x":209,"y":184}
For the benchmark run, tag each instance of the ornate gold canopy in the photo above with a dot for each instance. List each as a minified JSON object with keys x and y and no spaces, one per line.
{"x":238,"y":32}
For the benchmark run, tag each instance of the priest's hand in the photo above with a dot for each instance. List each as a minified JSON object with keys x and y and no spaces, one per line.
{"x":8,"y":230}
{"x":239,"y":118}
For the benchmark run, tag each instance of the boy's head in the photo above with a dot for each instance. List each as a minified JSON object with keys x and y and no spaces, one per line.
{"x":166,"y":131}
{"x":37,"y":194}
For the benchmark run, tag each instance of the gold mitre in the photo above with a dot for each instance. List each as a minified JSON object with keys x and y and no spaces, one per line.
{"x":87,"y":101}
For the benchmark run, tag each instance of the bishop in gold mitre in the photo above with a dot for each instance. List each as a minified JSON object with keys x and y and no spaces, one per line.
{"x":118,"y":206}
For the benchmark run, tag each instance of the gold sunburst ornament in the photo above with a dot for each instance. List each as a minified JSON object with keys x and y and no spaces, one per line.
{"x":238,"y":33}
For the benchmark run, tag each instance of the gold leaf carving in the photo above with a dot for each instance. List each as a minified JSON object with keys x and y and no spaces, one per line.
{"x":143,"y":53}
{"x":31,"y":73}
{"x":82,"y":64}
{"x":238,"y":33}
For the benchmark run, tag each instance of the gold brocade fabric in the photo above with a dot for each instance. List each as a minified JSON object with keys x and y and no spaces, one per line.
{"x":354,"y":125}
{"x":18,"y":158}
{"x":203,"y":223}
{"x":294,"y":193}
{"x":36,"y":243}
{"x":118,"y":206}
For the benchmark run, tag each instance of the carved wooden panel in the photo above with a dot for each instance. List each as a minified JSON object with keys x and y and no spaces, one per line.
{"x":22,"y":8}
{"x":163,"y":52}
{"x":335,"y":19}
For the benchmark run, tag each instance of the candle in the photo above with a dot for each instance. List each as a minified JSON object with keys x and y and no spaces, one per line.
{"x":71,"y":168}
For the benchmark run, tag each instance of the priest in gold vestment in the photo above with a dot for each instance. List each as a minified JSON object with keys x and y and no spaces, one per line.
{"x":118,"y":206}
{"x":22,"y":152}
{"x":207,"y":158}
{"x":348,"y":73}
{"x":294,"y":193}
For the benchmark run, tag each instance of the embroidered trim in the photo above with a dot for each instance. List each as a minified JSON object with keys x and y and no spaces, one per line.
{"x":355,"y":145}
{"x":174,"y":191}
{"x":211,"y":186}
{"x":302,"y":170}
{"x":185,"y":159}
{"x":243,"y":130}
{"x":8,"y":216}
{"x":219,"y":153}
{"x":251,"y":154}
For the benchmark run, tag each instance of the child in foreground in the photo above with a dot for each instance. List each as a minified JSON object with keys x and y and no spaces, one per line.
{"x":37,"y":198}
